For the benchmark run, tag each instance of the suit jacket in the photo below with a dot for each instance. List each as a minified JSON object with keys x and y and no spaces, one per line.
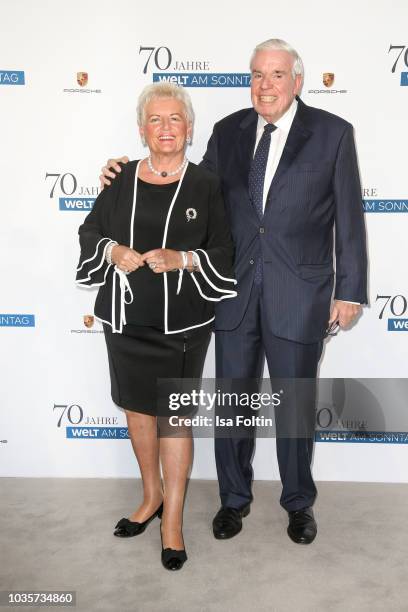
{"x":188,"y":298}
{"x":315,"y":196}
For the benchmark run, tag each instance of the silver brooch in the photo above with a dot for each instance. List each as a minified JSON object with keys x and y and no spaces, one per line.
{"x":191,"y":214}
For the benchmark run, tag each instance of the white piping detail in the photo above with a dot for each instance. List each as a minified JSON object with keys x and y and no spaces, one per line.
{"x":210,"y":299}
{"x":230,"y":280}
{"x":172,"y":205}
{"x":124,"y":288}
{"x":177,"y":331}
{"x":113,"y":311}
{"x":102,"y":320}
{"x":166,"y":296}
{"x":211,"y":284}
{"x":95,"y":254}
{"x":132,"y":218}
{"x":180,"y":280}
{"x":100,"y":263}
{"x":83,"y":280}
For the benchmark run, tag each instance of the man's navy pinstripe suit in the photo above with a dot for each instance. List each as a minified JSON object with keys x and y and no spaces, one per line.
{"x":314,"y":199}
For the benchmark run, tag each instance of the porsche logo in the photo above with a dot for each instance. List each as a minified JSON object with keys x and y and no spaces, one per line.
{"x":82,"y":78}
{"x":328,"y":79}
{"x":89,"y":321}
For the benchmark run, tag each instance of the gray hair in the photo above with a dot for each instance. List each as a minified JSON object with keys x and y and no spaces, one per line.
{"x":164,"y":89}
{"x":276,"y":44}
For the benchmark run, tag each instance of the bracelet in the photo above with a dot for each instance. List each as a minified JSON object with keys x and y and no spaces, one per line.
{"x":108,"y":255}
{"x":185,"y":260}
{"x":196,"y":261}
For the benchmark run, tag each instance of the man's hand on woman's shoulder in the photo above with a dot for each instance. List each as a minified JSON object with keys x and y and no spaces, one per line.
{"x":112,"y":167}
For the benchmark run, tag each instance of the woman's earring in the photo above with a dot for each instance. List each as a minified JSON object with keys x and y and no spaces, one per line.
{"x":188,"y":140}
{"x":143,"y":141}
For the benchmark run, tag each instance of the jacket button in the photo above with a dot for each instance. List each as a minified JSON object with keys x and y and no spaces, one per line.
{"x":261,"y":230}
{"x":251,"y":261}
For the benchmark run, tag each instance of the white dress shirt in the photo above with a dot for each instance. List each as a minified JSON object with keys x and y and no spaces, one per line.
{"x":278,"y":141}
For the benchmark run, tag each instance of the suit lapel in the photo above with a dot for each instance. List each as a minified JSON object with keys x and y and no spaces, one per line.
{"x":246,"y":144}
{"x":298,"y":135}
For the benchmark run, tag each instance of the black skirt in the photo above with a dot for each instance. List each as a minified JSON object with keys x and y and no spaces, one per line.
{"x":141,"y":355}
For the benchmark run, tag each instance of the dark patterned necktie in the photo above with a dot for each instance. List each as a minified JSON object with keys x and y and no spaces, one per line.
{"x":256,"y":181}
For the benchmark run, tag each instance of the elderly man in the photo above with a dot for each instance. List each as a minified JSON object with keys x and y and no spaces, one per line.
{"x":291,"y":184}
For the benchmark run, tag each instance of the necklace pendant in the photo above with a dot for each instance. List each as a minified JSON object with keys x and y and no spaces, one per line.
{"x":164,"y":173}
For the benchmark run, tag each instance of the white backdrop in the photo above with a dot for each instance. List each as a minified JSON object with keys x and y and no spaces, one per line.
{"x":54,"y":374}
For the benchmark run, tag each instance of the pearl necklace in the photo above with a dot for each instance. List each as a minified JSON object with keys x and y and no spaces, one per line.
{"x":164,"y":173}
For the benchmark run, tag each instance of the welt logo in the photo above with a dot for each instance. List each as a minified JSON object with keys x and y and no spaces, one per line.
{"x":17,"y":320}
{"x":98,"y":433}
{"x":385,"y":206}
{"x":208,"y":79}
{"x":398,"y":325}
{"x":397,"y":307}
{"x":82,"y":204}
{"x":12,"y":77}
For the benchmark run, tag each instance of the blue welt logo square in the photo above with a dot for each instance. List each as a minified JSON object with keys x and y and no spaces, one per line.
{"x":404,"y":79}
{"x":12,"y":77}
{"x":398,"y":325}
{"x":81,"y":204}
{"x":17,"y":320}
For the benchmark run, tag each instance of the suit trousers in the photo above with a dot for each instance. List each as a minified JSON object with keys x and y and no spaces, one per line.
{"x":240,"y":354}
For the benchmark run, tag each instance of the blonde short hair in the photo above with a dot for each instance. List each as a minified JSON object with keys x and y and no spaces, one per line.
{"x":164,"y":89}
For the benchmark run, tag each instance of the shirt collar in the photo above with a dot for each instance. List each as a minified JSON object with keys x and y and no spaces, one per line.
{"x":284,"y":123}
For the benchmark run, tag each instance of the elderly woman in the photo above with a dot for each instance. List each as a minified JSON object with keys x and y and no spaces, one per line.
{"x":158,"y":247}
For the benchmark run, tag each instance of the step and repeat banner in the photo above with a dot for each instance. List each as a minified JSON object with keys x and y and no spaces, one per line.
{"x":70,"y":75}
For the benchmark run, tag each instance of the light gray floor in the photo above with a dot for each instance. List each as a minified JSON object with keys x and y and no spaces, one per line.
{"x":57,"y":534}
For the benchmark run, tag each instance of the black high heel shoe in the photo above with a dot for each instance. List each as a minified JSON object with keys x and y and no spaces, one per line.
{"x":172,"y":559}
{"x":128,"y":529}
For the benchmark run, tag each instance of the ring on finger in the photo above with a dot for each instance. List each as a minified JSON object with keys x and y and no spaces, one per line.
{"x":152,"y":265}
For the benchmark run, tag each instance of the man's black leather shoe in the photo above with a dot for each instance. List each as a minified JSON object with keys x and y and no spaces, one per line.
{"x":228,"y":521}
{"x":302,"y":527}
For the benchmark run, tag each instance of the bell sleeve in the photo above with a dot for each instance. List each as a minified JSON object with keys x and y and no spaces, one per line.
{"x":94,"y":239}
{"x":214,"y":280}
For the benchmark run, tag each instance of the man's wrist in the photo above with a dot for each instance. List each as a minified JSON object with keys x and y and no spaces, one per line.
{"x":349,"y":302}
